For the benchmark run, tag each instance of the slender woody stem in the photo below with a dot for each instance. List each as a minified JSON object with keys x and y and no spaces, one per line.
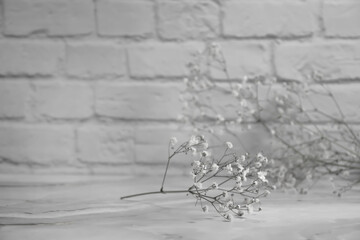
{"x":157,"y":192}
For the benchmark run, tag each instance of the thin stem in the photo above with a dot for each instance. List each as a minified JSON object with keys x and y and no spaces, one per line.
{"x":158,"y":192}
{"x":168,"y":162}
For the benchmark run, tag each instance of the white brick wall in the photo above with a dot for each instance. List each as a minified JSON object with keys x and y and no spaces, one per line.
{"x":13,"y":98}
{"x":52,"y":17}
{"x":341,"y":18}
{"x":186,"y":19}
{"x":63,"y":101}
{"x":89,"y":60}
{"x":30,"y":58}
{"x":262,"y":18}
{"x":37,"y":144}
{"x":125,"y":17}
{"x":96,"y":83}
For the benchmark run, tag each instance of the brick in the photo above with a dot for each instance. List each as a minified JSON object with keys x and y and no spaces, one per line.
{"x":151,"y":144}
{"x":125,"y":18}
{"x":317,"y":97}
{"x":188,"y":19}
{"x":53,"y":17}
{"x":160,"y":60}
{"x":247,"y":18}
{"x":94,"y":60}
{"x":331,"y":60}
{"x":347,"y":96}
{"x":244,"y":59}
{"x":341,"y":18}
{"x":13,"y":99}
{"x":63,"y":100}
{"x":105,"y":144}
{"x":145,"y":101}
{"x":30,"y":144}
{"x":30,"y":58}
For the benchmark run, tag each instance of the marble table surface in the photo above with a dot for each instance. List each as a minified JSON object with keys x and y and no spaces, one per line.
{"x":88,"y":207}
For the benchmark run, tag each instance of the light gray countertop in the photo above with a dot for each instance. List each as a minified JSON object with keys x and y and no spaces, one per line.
{"x":88,"y":207}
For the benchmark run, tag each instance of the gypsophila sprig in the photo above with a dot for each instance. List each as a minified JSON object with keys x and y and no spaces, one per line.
{"x":304,"y":120}
{"x":231,"y":184}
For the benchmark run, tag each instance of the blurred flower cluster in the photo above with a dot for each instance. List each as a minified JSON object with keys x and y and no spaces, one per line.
{"x":230,"y":183}
{"x":308,"y":141}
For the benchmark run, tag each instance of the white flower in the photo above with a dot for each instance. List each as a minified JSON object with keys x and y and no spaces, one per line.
{"x":198,"y":185}
{"x":261,"y":176}
{"x":215,"y":167}
{"x":197,"y":163}
{"x":220,"y":118}
{"x":229,"y":217}
{"x":229,"y":168}
{"x":229,"y":204}
{"x":267,"y":192}
{"x":205,"y":145}
{"x":244,"y":173}
{"x":173,"y":141}
{"x":272,"y":132}
{"x":229,"y":145}
{"x":193,"y":140}
{"x":243,"y":158}
{"x":240,"y":167}
{"x":193,"y":150}
{"x":260,"y":157}
{"x":205,"y":153}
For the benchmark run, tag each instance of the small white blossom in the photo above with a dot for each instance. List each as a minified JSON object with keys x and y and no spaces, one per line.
{"x":220,"y":118}
{"x":244,"y":173}
{"x":260,"y":157}
{"x":198,"y":185}
{"x":193,"y":140}
{"x":229,"y":217}
{"x":193,"y":150}
{"x":229,"y":168}
{"x":215,"y":167}
{"x":229,"y":204}
{"x":266,"y":193}
{"x":240,"y":167}
{"x":239,"y":120}
{"x":173,"y":141}
{"x":205,"y":153}
{"x":197,"y":163}
{"x":261,"y":176}
{"x":229,"y":145}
